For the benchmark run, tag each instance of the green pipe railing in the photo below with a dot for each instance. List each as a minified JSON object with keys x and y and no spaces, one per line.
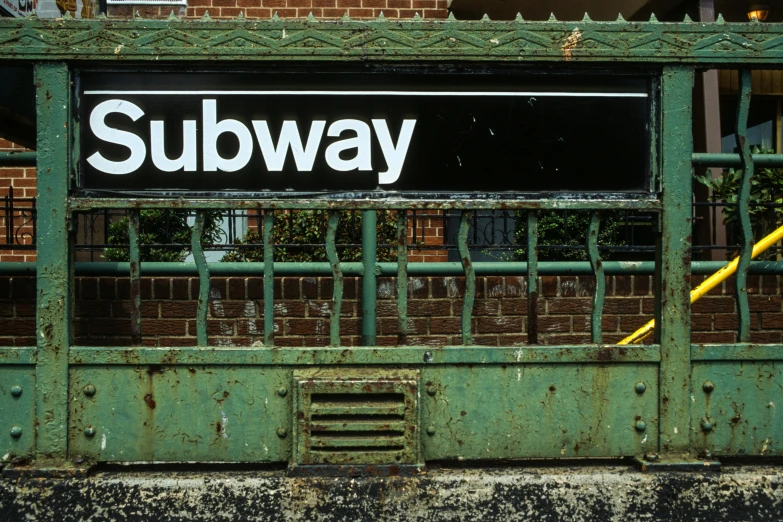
{"x":385,"y":269}
{"x":735,"y":160}
{"x":18,"y":159}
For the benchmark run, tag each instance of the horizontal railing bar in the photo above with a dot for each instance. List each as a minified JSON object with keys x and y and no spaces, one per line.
{"x":18,"y":159}
{"x":387,"y":269}
{"x":413,"y":355}
{"x":18,"y":354}
{"x":263,"y":201}
{"x":737,"y":352}
{"x":85,"y":355}
{"x":733,"y":160}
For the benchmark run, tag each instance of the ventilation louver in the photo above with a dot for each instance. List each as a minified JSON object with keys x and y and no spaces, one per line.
{"x":356,"y":419}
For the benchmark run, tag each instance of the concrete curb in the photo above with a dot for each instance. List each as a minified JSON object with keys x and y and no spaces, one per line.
{"x":616,"y":493}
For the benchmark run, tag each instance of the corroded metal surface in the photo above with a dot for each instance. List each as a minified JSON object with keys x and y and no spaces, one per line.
{"x":255,"y":40}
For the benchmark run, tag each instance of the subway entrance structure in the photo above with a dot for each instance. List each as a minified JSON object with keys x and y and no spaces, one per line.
{"x":364,"y":409}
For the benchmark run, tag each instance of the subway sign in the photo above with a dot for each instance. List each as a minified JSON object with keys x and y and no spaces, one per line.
{"x":412,"y":132}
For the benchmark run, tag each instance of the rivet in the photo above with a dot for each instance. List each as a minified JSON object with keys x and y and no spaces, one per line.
{"x":431,"y":430}
{"x":651,"y":457}
{"x":708,"y":386}
{"x":282,"y":391}
{"x":16,"y":432}
{"x":640,"y":425}
{"x":282,"y":432}
{"x":427,"y":357}
{"x":640,"y":387}
{"x":89,"y":431}
{"x":16,"y":391}
{"x":706,"y":425}
{"x":89,"y":390}
{"x":431,"y":390}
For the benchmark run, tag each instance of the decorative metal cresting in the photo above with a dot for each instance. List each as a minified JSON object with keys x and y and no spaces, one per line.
{"x":667,"y":403}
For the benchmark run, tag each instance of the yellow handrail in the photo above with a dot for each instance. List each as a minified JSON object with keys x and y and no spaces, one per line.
{"x":714,"y":280}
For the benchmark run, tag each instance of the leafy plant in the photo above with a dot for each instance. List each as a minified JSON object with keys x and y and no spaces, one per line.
{"x":766,"y":187}
{"x":308,"y":229}
{"x":164,"y":235}
{"x":569,"y":230}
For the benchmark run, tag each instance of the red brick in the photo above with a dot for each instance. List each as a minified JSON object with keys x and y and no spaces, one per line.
{"x":622,"y":305}
{"x":713,"y":305}
{"x":163,"y":327}
{"x":183,"y":309}
{"x":123,"y":308}
{"x":764,"y":303}
{"x":570,"y":306}
{"x":561,"y":324}
{"x":713,"y":337}
{"x":772,"y":321}
{"x":431,"y":307}
{"x":445,"y":325}
{"x":500,"y":324}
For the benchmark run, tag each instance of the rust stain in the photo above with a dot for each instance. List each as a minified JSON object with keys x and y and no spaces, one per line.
{"x":150,"y":401}
{"x":571,"y":43}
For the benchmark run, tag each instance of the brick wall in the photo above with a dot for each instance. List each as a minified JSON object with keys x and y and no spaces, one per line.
{"x":22,"y":179}
{"x":435,"y":305}
{"x":264,"y":9}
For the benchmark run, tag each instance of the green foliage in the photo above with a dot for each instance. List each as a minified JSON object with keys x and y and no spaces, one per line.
{"x":552,"y":226}
{"x":161,"y":228}
{"x":766,"y":186}
{"x":308,"y":227}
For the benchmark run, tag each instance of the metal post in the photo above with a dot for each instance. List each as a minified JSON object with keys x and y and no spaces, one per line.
{"x":672,"y":274}
{"x":54,"y":263}
{"x":369,"y":282}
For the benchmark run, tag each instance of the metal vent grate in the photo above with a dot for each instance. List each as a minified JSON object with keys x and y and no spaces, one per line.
{"x":356,"y":419}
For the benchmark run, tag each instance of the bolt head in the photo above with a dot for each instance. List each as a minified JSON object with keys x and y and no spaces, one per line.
{"x":431,"y":391}
{"x":16,"y":391}
{"x":640,"y":387}
{"x":431,"y":430}
{"x":16,"y":432}
{"x":651,"y":457}
{"x":282,"y":432}
{"x":706,"y":426}
{"x":282,"y":391}
{"x":708,"y":386}
{"x":89,"y":431}
{"x":640,"y":426}
{"x":89,"y":390}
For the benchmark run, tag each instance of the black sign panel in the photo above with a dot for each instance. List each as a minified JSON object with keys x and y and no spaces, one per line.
{"x":409,"y":131}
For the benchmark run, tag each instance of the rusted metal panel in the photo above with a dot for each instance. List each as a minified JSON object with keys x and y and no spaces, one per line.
{"x":17,"y":403}
{"x":735,"y":407}
{"x":179,"y":413}
{"x":526,"y":410}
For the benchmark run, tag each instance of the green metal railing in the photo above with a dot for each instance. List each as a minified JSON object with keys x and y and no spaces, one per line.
{"x":673,"y":398}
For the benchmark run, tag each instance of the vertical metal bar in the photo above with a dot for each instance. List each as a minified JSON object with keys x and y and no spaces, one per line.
{"x":402,"y":276}
{"x":532,"y":277}
{"x":743,"y":210}
{"x":470,"y":276}
{"x":673,"y":263}
{"x":54,"y":261}
{"x":596,"y":331}
{"x":269,"y":278}
{"x":369,"y":281}
{"x":9,"y":223}
{"x":135,"y":276}
{"x":337,"y":274}
{"x":203,"y":279}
